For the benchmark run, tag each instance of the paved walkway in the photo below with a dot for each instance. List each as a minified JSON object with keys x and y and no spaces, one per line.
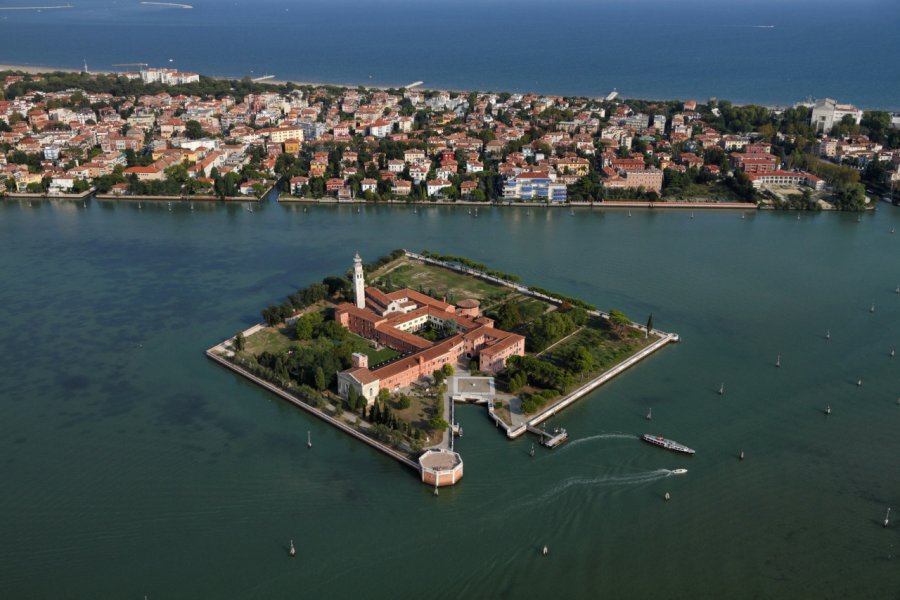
{"x":557,"y":343}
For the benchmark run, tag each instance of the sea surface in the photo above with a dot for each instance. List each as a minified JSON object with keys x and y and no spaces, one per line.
{"x":764,"y":51}
{"x":133,"y":466}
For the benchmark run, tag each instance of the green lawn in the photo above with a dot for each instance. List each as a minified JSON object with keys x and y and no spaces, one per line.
{"x":376,"y":357}
{"x":274,"y":339}
{"x":442,"y":281}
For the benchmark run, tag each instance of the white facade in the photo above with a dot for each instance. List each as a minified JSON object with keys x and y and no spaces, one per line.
{"x":359,"y":282}
{"x":827,"y":113}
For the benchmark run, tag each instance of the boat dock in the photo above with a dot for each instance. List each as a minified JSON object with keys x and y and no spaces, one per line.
{"x":550,"y":440}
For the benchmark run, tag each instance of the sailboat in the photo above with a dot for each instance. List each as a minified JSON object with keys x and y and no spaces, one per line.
{"x":531,"y":454}
{"x":722,"y":389}
{"x":827,"y":334}
{"x":308,"y":439}
{"x":827,"y":409}
{"x":887,"y":517}
{"x":292,"y":551}
{"x":629,"y":213}
{"x":872,"y":308}
{"x":649,"y":414}
{"x":778,"y":361}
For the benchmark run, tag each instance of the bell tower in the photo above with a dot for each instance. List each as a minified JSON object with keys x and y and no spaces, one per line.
{"x":359,"y":282}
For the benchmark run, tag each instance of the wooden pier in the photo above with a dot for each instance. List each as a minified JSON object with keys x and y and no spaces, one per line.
{"x":550,"y":440}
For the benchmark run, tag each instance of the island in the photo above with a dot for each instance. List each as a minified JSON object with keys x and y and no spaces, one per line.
{"x":385,"y":351}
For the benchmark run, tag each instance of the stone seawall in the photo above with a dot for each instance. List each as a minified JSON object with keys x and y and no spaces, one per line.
{"x":311,"y":409}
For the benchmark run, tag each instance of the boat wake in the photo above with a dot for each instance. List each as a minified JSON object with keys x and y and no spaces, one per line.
{"x":600,"y":481}
{"x":600,"y":436}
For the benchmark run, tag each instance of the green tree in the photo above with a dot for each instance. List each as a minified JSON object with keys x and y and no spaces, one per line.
{"x":320,"y":379}
{"x":239,"y":341}
{"x":438,"y":424}
{"x":583,"y":360}
{"x":618,"y":318}
{"x":306,"y":325}
{"x":193,"y":130}
{"x":352,"y":398}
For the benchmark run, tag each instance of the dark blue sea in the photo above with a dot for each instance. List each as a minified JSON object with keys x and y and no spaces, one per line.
{"x":766,"y":51}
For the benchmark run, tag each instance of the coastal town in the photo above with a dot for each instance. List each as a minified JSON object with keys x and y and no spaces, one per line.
{"x":165,"y":134}
{"x":386,"y":363}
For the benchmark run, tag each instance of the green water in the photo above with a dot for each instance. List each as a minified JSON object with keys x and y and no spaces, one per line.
{"x":132,"y":465}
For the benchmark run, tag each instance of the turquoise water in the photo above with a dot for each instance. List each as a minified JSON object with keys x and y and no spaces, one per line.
{"x":768,"y":51}
{"x":132,"y":465}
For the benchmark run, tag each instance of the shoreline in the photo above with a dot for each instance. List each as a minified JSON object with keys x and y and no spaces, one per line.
{"x":41,"y":69}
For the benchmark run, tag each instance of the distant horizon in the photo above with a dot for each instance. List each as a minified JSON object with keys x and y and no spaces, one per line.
{"x":754,"y":52}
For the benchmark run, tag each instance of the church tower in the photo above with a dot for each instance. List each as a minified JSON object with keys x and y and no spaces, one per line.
{"x":359,"y":282}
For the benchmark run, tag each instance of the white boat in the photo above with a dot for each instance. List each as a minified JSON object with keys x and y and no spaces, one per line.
{"x":679,"y":471}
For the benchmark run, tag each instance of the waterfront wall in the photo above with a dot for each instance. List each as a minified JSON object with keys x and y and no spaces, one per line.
{"x":177,"y":198}
{"x":48,"y":196}
{"x":590,"y":386}
{"x":288,"y":199}
{"x":311,"y":409}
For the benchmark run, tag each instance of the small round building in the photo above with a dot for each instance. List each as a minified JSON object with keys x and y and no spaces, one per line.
{"x":440,"y":468}
{"x":469,"y":308}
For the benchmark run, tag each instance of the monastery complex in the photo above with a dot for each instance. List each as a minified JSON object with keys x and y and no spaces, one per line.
{"x":391,"y":320}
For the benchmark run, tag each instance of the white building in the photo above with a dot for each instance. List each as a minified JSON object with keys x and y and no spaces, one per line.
{"x":827,"y":113}
{"x":436,"y":185}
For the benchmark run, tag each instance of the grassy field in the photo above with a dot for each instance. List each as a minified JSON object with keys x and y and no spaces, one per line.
{"x":405,"y":273}
{"x":274,"y":339}
{"x":376,"y":357}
